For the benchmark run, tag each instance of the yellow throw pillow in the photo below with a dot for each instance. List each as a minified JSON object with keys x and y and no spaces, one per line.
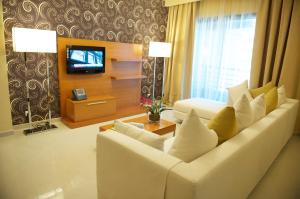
{"x":264,"y":89}
{"x":224,"y":124}
{"x":271,"y":99}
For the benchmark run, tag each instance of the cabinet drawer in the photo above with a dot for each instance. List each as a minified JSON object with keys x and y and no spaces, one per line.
{"x":90,"y":109}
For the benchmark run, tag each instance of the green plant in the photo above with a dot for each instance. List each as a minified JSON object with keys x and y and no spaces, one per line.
{"x":155,"y":108}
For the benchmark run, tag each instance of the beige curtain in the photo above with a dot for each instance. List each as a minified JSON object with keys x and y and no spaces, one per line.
{"x":178,"y":2}
{"x":209,"y":8}
{"x":180,"y":32}
{"x":277,"y":46}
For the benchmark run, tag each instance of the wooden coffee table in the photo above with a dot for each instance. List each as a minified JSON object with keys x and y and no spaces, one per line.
{"x":162,"y":127}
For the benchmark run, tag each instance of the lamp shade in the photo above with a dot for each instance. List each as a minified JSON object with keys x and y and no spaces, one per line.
{"x":33,"y":40}
{"x":159,"y":49}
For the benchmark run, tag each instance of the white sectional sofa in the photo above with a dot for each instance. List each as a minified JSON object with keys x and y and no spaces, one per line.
{"x":129,"y":169}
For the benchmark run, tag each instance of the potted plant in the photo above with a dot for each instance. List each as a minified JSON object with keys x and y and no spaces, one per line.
{"x":154,"y":109}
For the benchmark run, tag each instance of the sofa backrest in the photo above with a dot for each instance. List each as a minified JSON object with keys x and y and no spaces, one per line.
{"x":234,"y":168}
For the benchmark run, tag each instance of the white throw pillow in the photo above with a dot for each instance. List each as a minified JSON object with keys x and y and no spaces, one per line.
{"x":235,"y":92}
{"x":243,"y":112}
{"x":120,"y":126}
{"x":139,"y":134}
{"x":193,"y":139}
{"x":258,"y":106}
{"x":281,"y":95}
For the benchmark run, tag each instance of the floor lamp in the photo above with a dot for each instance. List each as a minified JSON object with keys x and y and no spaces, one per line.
{"x":35,"y":41}
{"x":158,"y":49}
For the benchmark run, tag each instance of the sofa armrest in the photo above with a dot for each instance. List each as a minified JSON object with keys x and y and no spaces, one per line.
{"x":127,"y":168}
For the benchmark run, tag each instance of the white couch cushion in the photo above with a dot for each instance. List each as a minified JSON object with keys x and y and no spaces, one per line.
{"x":142,"y":135}
{"x":235,"y":92}
{"x":193,"y":139}
{"x":281,"y":95}
{"x":168,"y":144}
{"x":243,"y":112}
{"x":258,"y":106}
{"x":204,"y":108}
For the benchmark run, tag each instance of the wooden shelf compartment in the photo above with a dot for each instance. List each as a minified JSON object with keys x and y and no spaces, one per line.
{"x":122,"y":112}
{"x":124,"y":77}
{"x":91,"y":108}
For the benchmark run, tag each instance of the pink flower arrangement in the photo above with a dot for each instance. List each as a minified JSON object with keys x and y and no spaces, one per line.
{"x":146,"y":101}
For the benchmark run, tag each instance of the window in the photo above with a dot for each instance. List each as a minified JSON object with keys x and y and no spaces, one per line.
{"x":222,"y":54}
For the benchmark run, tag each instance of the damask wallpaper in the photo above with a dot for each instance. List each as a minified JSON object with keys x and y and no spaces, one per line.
{"x":130,"y":21}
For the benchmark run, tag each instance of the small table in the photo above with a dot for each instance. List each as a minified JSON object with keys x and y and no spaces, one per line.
{"x":161,"y":128}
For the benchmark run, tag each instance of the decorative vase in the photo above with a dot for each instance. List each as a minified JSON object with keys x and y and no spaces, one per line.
{"x":154,"y":117}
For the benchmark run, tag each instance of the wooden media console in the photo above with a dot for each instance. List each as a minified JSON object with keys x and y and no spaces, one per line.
{"x":111,"y":95}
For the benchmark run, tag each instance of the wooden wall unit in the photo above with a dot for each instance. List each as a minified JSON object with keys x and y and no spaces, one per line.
{"x":121,"y":80}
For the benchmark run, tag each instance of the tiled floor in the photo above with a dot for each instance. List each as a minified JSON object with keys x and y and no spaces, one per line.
{"x":282,"y":181}
{"x":36,"y":164}
{"x":65,"y":158}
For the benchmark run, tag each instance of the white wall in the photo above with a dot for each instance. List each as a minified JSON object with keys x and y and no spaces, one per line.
{"x":5,"y":113}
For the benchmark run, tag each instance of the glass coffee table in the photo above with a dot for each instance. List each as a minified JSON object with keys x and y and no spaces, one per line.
{"x":161,"y":128}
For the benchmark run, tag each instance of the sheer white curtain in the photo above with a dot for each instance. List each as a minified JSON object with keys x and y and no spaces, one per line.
{"x":222,"y":53}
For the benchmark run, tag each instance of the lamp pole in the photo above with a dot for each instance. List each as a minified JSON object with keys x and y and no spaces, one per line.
{"x":154,"y":78}
{"x":163,"y":79}
{"x":27,"y":93}
{"x":48,"y":91}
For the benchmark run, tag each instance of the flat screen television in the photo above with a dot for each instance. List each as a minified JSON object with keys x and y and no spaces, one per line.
{"x":85,"y":59}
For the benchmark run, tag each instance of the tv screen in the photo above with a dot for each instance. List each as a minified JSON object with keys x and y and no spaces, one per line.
{"x":85,"y":59}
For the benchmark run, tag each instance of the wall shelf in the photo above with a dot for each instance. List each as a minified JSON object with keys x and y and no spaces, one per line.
{"x":125,"y":60}
{"x":124,"y":77}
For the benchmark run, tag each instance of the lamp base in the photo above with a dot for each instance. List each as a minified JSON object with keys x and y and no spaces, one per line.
{"x":40,"y":128}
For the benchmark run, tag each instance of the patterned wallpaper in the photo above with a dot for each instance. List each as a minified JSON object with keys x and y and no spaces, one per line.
{"x":130,"y":21}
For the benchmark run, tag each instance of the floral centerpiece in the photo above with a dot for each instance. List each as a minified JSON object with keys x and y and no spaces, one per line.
{"x":154,"y":109}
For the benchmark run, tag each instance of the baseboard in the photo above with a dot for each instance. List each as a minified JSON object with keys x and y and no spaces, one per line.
{"x":7,"y":133}
{"x":26,"y":125}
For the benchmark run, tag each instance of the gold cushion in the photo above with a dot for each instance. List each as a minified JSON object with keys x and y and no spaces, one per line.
{"x":264,"y":89}
{"x":271,"y":99}
{"x":224,"y":124}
